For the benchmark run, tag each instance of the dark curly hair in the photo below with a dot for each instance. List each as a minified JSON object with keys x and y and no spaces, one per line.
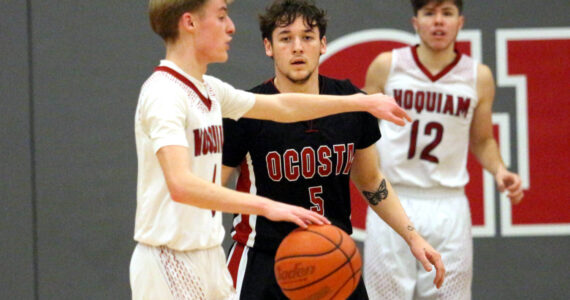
{"x":284,"y":12}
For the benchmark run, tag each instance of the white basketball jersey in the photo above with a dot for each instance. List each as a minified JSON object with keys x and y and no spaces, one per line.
{"x":432,"y":150}
{"x":176,"y":109}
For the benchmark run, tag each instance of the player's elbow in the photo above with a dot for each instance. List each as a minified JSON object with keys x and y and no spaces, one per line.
{"x":178,"y":192}
{"x":366,"y":180}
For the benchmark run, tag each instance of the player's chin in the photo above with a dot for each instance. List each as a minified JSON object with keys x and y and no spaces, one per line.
{"x":300,"y":76}
{"x":440,"y":44}
{"x":221,"y":57}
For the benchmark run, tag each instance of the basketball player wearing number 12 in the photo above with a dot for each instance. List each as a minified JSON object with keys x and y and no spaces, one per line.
{"x":450,"y":98}
{"x":304,"y":163}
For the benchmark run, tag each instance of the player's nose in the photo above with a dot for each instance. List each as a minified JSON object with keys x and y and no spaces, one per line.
{"x":297,"y":45}
{"x":231,"y":29}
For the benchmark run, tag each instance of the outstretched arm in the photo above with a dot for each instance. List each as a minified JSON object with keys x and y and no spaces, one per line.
{"x":185,"y":187}
{"x":298,"y":107}
{"x":482,"y":142}
{"x":385,"y":203}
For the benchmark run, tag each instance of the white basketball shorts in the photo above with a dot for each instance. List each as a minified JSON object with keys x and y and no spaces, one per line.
{"x":442,"y":217}
{"x":166,"y":274}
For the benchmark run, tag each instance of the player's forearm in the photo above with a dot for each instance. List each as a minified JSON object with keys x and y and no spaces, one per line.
{"x":385,"y":203}
{"x":488,"y":155}
{"x":197,"y":192}
{"x":300,"y":107}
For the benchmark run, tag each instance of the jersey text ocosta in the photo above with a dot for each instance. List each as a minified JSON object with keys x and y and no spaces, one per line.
{"x":324,"y":161}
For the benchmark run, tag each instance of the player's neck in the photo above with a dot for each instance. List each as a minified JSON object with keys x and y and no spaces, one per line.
{"x":186,"y":59}
{"x":285,"y":85}
{"x":436,"y":60}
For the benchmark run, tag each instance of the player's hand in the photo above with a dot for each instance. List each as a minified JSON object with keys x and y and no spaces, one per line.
{"x":278,"y":211}
{"x":385,"y":108}
{"x":428,"y":256}
{"x":510,"y":182}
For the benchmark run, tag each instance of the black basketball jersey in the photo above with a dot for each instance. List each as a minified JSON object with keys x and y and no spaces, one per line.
{"x":304,"y":163}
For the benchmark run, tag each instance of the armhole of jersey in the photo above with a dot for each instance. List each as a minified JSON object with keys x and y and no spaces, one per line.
{"x":476,"y":79}
{"x":393,"y":62}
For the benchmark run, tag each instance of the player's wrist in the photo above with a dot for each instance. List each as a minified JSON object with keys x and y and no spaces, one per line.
{"x":411,"y":235}
{"x":500,"y":169}
{"x":262,"y":206}
{"x":360,"y":102}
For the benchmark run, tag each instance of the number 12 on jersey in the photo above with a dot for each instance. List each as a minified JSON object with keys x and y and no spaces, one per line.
{"x":430,"y":128}
{"x":315,"y":198}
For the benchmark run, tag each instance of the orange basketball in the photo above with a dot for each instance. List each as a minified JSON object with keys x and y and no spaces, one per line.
{"x":320,"y":262}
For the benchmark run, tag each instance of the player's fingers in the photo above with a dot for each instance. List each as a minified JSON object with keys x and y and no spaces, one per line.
{"x":500,"y":186}
{"x":516,"y":197}
{"x":435,"y":259}
{"x":397,"y":121}
{"x":515,"y":186}
{"x":322,"y":219}
{"x":312,"y":217}
{"x":299,"y":222}
{"x":425,"y":262}
{"x":439,"y":273}
{"x":515,"y":192}
{"x":403,"y":114}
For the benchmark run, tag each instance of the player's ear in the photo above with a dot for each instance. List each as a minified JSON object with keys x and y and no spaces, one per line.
{"x":461,"y":21}
{"x":323,"y":45}
{"x":186,"y":22}
{"x":268,"y":47}
{"x":414,"y":22}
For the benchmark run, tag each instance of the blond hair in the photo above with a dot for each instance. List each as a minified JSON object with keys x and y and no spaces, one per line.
{"x":165,"y":14}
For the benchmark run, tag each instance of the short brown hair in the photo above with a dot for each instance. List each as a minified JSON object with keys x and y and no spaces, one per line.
{"x":418,"y":4}
{"x":165,"y":14}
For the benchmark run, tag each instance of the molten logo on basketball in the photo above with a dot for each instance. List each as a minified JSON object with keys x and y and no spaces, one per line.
{"x":297,"y":273}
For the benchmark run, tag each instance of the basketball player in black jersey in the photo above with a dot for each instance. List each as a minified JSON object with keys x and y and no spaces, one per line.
{"x":305,"y":163}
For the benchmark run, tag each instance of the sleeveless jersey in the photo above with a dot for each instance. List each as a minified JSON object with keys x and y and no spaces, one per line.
{"x":176,"y":109}
{"x":303,"y":163}
{"x":432,"y":150}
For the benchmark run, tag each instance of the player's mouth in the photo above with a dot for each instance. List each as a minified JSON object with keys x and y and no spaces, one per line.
{"x":298,"y":62}
{"x":438,"y":33}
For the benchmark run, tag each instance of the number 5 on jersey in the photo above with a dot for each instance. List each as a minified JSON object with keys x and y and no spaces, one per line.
{"x":315,"y":198}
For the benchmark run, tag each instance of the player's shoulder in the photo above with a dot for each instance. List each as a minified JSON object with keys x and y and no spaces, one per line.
{"x":484,"y":70}
{"x":160,"y":85}
{"x":484,"y":75}
{"x":383,"y":60}
{"x":485,"y":82}
{"x":382,"y":64}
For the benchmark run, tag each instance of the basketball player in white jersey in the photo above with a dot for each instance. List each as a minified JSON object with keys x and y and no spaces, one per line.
{"x":178,"y":129}
{"x":450,"y":98}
